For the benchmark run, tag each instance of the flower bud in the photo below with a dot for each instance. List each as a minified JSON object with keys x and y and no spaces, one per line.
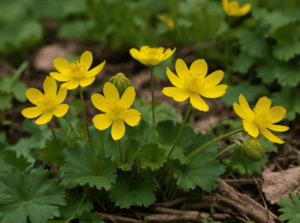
{"x":254,"y":149}
{"x":121,"y":82}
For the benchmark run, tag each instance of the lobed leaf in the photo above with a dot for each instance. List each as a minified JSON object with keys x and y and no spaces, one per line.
{"x":152,"y":156}
{"x":291,"y":210}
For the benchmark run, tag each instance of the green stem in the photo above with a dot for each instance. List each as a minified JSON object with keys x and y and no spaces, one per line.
{"x":153,"y":101}
{"x":102,"y":144}
{"x":69,"y":123}
{"x":227,"y":52}
{"x":86,"y":129}
{"x":120,"y":151}
{"x":180,"y":131}
{"x":159,"y":187}
{"x":138,"y":165}
{"x":216,"y":140}
{"x":225,"y":150}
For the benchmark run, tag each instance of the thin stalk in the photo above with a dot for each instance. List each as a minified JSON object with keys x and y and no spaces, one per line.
{"x":153,"y":100}
{"x":138,"y":165}
{"x":223,"y":151}
{"x":120,"y":151}
{"x":159,"y":187}
{"x":216,"y":140}
{"x":86,"y":128}
{"x":180,"y":131}
{"x":227,"y":52}
{"x":69,"y":123}
{"x":102,"y":145}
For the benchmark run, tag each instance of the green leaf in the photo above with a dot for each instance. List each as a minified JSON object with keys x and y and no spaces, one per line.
{"x":79,"y":169}
{"x":5,"y":101}
{"x":88,"y":217}
{"x":19,"y":89}
{"x":75,"y":28}
{"x":142,"y":132}
{"x":152,"y":156}
{"x":286,"y":51}
{"x":167,"y":133}
{"x":243,"y":62}
{"x":11,"y":159}
{"x":130,"y":149}
{"x":290,"y":209}
{"x":253,"y":44}
{"x":132,"y":190}
{"x":287,"y":75}
{"x":250,"y":92}
{"x":22,"y":194}
{"x":268,"y":145}
{"x":265,"y":69}
{"x":200,"y":171}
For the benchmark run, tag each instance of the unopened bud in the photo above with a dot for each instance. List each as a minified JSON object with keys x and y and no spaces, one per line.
{"x":254,"y":149}
{"x":121,"y":82}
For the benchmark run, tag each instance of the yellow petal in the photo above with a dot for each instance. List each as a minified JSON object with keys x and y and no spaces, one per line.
{"x":60,"y":110}
{"x":100,"y":102}
{"x":102,"y":121}
{"x":32,"y":112}
{"x":251,"y":128}
{"x":60,"y":77}
{"x":86,"y":81}
{"x":144,"y":50}
{"x":199,"y":67}
{"x":132,"y":117}
{"x":110,"y":92}
{"x":96,"y":70}
{"x":174,"y":79}
{"x":240,"y":112}
{"x":263,"y":103}
{"x":198,"y":102}
{"x":61,"y":96}
{"x":128,"y":97}
{"x":61,"y":65}
{"x":213,"y":79}
{"x":45,"y":118}
{"x":245,"y":9}
{"x":270,"y":136}
{"x":245,"y":106}
{"x":50,"y":86}
{"x":213,"y":92}
{"x":34,"y":95}
{"x":178,"y":94}
{"x":86,"y":59}
{"x":181,"y":68}
{"x":168,"y":53}
{"x":278,"y":128}
{"x":118,"y":129}
{"x":276,"y":114}
{"x":135,"y":53}
{"x":72,"y":84}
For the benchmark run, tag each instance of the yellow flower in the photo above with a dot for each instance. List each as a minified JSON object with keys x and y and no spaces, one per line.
{"x":261,"y":118}
{"x":151,"y":56}
{"x":116,"y":110}
{"x":233,"y":8}
{"x":76,"y":73}
{"x":47,"y":104}
{"x":193,"y":83}
{"x":167,"y":20}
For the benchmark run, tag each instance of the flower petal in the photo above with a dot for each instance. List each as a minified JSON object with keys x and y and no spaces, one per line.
{"x":102,"y":121}
{"x":251,"y":128}
{"x":62,"y":65}
{"x":199,"y":67}
{"x":60,"y":110}
{"x":110,"y":92}
{"x":128,"y":97}
{"x":60,"y":77}
{"x":31,"y":112}
{"x":144,"y":50}
{"x":240,"y":112}
{"x":278,"y":128}
{"x":45,"y":118}
{"x":118,"y":129}
{"x":213,"y":79}
{"x":178,"y":94}
{"x":61,"y":96}
{"x":50,"y":86}
{"x":86,"y":59}
{"x":181,"y":69}
{"x":270,"y":136}
{"x":245,"y":9}
{"x":198,"y":102}
{"x":168,"y":53}
{"x":34,"y":95}
{"x":100,"y":102}
{"x":263,"y":103}
{"x":245,"y":106}
{"x":96,"y":70}
{"x":174,"y":79}
{"x":86,"y":81}
{"x":276,"y":114}
{"x":213,"y":92}
{"x":132,"y":117}
{"x":135,"y":53}
{"x":72,"y":84}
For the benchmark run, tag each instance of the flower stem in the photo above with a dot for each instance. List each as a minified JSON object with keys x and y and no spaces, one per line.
{"x":53,"y":132}
{"x":102,"y":145}
{"x":120,"y":151}
{"x":153,"y":101}
{"x":157,"y":184}
{"x":69,"y":123}
{"x":86,"y":128}
{"x":180,"y":131}
{"x":216,"y":140}
{"x":224,"y":150}
{"x":227,"y":52}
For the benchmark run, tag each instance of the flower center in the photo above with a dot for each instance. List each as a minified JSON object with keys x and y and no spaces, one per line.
{"x":46,"y":103}
{"x":77,"y":70}
{"x":193,"y":82}
{"x":117,"y":111}
{"x":154,"y":54}
{"x":261,"y":117}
